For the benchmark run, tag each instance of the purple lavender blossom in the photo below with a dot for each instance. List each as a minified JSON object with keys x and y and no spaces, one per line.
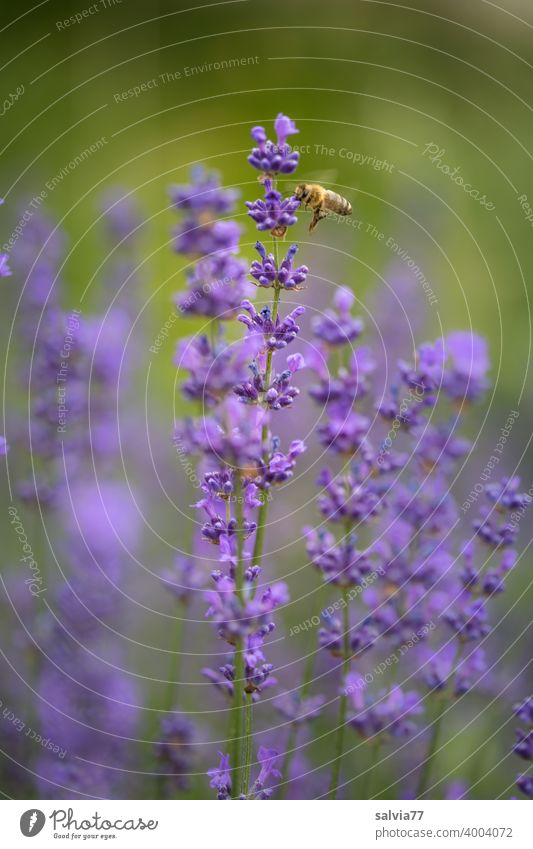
{"x":466,"y":377}
{"x":431,"y":507}
{"x":341,"y":563}
{"x":5,"y":270}
{"x":4,"y":447}
{"x":492,"y":580}
{"x":348,"y":385}
{"x":277,"y":467}
{"x":204,"y":194}
{"x":438,"y":667}
{"x":276,"y":334}
{"x":234,"y":439}
{"x":214,"y":368}
{"x":216,"y":287}
{"x":338,"y":326}
{"x":76,"y":779}
{"x":257,"y":671}
{"x":439,"y":445}
{"x":299,"y":710}
{"x":251,"y":617}
{"x":274,"y":158}
{"x":468,"y":619}
{"x":184,"y":580}
{"x":202,"y":232}
{"x":174,"y":750}
{"x":497,"y":526}
{"x":344,"y":433}
{"x":266,"y":272}
{"x":278,"y":394}
{"x":267,"y":759}
{"x":221,"y":777}
{"x":122,"y":216}
{"x":203,"y":240}
{"x":505,"y":494}
{"x":427,"y":375}
{"x":389,"y":713}
{"x":274,"y":213}
{"x":525,"y":784}
{"x":524,"y":710}
{"x":219,"y":531}
{"x":354,"y":496}
{"x":456,"y":790}
{"x":83,"y":707}
{"x":36,"y":260}
{"x":523,"y":746}
{"x":406,"y":411}
{"x":360,"y":639}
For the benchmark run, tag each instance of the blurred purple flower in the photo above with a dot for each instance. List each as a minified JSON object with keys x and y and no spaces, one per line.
{"x":389,"y":713}
{"x":466,"y":377}
{"x":338,"y":326}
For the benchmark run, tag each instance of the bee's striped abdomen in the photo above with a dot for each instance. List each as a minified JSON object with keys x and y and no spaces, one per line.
{"x":336,"y":203}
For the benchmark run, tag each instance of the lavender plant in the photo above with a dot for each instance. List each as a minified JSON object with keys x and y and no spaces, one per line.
{"x":407,"y":584}
{"x":242,"y":460}
{"x":389,"y":542}
{"x":216,"y":284}
{"x":86,"y":704}
{"x":419,"y":601}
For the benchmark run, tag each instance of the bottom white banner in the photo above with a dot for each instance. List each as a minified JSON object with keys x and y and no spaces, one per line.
{"x":359,"y":824}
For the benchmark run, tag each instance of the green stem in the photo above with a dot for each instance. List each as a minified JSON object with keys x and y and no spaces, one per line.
{"x":171,"y":690}
{"x":248,"y":738}
{"x":372,"y":774}
{"x":341,"y":722}
{"x":213,"y":333}
{"x":443,"y":696}
{"x":260,"y":533}
{"x":308,"y":674}
{"x":425,"y":772}
{"x":293,"y":731}
{"x":263,"y":510}
{"x":175,"y":664}
{"x":289,"y":751}
{"x":239,"y":674}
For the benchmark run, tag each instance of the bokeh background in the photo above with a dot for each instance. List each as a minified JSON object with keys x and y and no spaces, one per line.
{"x":372,"y":85}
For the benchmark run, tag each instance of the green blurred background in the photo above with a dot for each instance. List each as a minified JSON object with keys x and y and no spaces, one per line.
{"x":372,"y":79}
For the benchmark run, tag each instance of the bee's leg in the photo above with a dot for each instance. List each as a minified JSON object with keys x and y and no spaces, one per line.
{"x":319,"y":214}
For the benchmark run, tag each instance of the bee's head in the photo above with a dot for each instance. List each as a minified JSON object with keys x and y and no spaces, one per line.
{"x":300,"y":191}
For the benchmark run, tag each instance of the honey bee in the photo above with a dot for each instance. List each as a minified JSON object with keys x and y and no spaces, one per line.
{"x":321,"y":201}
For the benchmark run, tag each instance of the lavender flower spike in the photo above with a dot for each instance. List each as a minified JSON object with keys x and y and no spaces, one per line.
{"x":275,"y":158}
{"x":274,"y":213}
{"x":267,"y":274}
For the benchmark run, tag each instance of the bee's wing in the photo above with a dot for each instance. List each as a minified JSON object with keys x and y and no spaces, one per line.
{"x":325,"y":177}
{"x":322,"y":177}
